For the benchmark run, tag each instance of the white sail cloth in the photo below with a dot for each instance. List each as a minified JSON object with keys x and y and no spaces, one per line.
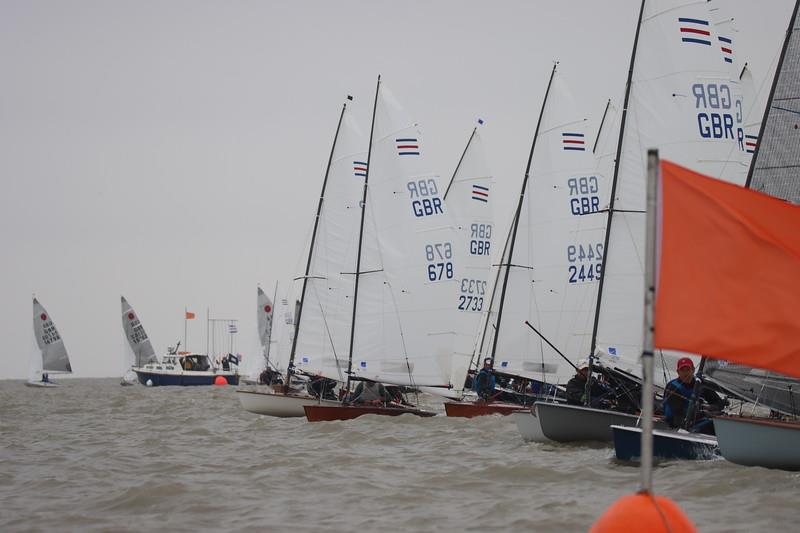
{"x":323,"y":340}
{"x":558,"y":248}
{"x":408,"y":279}
{"x":51,"y":345}
{"x":141,"y":349}
{"x":470,"y":200}
{"x":683,"y":102}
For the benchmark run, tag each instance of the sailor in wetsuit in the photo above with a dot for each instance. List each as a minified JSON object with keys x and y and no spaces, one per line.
{"x":576,"y":389}
{"x":484,"y":381}
{"x":678,"y":396}
{"x":371,"y":393}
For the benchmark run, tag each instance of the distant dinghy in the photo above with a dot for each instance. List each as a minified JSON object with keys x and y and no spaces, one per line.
{"x":53,"y":353}
{"x":141,"y":350}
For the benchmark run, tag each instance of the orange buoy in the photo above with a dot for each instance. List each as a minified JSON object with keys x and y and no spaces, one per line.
{"x":643,"y":512}
{"x":220,"y":380}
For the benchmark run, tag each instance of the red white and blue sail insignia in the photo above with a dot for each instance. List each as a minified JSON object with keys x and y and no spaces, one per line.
{"x":726,"y":45}
{"x":694,"y":31}
{"x":407,"y":146}
{"x":573,"y":141}
{"x":360,"y":169}
{"x":480,"y":193}
{"x":612,"y":350}
{"x":750,"y":143}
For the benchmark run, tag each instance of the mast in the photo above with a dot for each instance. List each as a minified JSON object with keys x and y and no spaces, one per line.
{"x":515,"y":221}
{"x":290,"y":365}
{"x":611,"y":202}
{"x":778,"y":68}
{"x":461,"y":159}
{"x":487,"y":324}
{"x":361,"y":238}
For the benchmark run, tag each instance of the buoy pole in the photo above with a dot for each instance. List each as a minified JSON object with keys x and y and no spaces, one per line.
{"x":646,"y":469}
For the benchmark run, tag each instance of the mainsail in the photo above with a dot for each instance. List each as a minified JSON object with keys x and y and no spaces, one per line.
{"x":470,"y":200}
{"x":408,"y":274}
{"x":556,"y":259}
{"x":138,"y":340}
{"x":265,"y":310}
{"x":324,"y":323}
{"x":51,"y":345}
{"x":681,"y":99}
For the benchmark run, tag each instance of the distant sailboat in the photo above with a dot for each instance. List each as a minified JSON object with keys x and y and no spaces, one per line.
{"x":141,"y":350}
{"x":53,"y":353}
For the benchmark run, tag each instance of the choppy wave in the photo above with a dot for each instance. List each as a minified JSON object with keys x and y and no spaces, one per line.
{"x":94,"y":456}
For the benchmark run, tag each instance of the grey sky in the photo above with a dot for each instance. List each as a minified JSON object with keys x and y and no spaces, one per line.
{"x":172,"y":152}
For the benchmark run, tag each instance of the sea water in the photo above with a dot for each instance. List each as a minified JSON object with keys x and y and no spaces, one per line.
{"x":94,"y":456}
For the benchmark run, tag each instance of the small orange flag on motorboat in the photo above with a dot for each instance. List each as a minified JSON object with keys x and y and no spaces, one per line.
{"x":728,"y":276}
{"x":189,"y":315}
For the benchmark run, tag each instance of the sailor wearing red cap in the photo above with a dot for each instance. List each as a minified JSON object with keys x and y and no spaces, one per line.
{"x":678,"y":395}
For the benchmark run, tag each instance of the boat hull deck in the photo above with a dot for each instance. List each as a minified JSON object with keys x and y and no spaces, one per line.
{"x":271,"y":403}
{"x":481,"y":408}
{"x":320,"y":413}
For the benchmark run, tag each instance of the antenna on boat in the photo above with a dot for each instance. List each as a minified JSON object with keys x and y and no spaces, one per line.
{"x":361,"y":237}
{"x":515,"y":221}
{"x":290,"y":366}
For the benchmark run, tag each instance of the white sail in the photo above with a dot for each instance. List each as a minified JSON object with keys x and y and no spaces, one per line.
{"x":324,"y":328}
{"x":470,"y":199}
{"x":138,"y":341}
{"x":683,"y":103}
{"x":264,"y":313}
{"x":408,"y":276}
{"x":557,"y":256}
{"x":51,"y":345}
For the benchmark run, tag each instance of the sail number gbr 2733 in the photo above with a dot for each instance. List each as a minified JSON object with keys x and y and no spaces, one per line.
{"x":586,"y":262}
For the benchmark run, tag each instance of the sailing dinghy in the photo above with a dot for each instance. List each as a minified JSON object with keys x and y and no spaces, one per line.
{"x":406,"y":275}
{"x":674,"y":55}
{"x":321,"y":327}
{"x":52,"y":356}
{"x":141,"y":350}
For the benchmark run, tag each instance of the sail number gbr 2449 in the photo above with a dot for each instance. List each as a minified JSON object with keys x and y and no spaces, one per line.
{"x":586,"y":262}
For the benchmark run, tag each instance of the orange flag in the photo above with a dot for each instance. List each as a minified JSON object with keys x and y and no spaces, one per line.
{"x":728,"y":283}
{"x":189,"y":315}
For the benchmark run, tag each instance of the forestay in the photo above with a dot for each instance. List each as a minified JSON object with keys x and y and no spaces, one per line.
{"x":51,"y":345}
{"x":404,"y":316}
{"x":683,"y":102}
{"x":139,"y":342}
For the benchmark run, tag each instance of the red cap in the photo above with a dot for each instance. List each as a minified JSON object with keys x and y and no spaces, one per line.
{"x":684,"y":362}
